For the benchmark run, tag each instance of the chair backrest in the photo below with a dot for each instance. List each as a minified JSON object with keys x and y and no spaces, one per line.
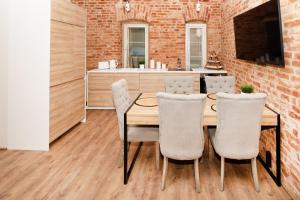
{"x":179,"y":84}
{"x":215,"y":84}
{"x":181,"y":125}
{"x":121,"y":102}
{"x":239,"y":124}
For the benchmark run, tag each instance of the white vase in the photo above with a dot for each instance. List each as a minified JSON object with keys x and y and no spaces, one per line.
{"x":152,"y":64}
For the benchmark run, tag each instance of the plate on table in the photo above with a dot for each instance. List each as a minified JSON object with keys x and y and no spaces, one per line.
{"x":214,"y":107}
{"x":214,"y":67}
{"x":147,"y":102}
{"x":212,"y":96}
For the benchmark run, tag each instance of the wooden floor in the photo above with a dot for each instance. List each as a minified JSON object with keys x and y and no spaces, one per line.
{"x":83,"y":165}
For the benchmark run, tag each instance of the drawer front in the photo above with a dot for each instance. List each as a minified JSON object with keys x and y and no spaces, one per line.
{"x":100,"y":98}
{"x":152,"y":83}
{"x":67,"y":107}
{"x":105,"y":98}
{"x":67,"y":53}
{"x":97,"y":81}
{"x":133,"y":80}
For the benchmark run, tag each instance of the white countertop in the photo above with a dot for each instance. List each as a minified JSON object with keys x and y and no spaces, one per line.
{"x":137,"y":70}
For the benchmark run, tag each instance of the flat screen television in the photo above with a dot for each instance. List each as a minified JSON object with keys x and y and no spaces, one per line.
{"x":258,"y":35}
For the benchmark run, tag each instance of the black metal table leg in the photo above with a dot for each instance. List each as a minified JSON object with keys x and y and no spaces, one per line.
{"x":276,"y":178}
{"x":125,"y":149}
{"x":278,"y":152}
{"x":127,"y":172}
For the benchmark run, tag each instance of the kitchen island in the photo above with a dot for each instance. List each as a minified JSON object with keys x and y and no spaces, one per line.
{"x":99,"y":95}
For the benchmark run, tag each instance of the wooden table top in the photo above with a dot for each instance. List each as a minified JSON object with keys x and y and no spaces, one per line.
{"x":141,"y":115}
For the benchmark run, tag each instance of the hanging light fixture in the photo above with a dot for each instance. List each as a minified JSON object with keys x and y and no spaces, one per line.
{"x":127,"y":6}
{"x":198,"y":6}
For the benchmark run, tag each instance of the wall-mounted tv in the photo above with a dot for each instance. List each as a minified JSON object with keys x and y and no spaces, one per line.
{"x":258,"y":35}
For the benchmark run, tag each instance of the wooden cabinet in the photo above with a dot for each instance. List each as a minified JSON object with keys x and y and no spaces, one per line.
{"x":99,"y":90}
{"x":99,"y":81}
{"x":152,"y":82}
{"x":67,"y":104}
{"x":67,"y":72}
{"x":79,"y":49}
{"x":99,"y":85}
{"x":67,"y":53}
{"x":65,"y":11}
{"x":133,"y":80}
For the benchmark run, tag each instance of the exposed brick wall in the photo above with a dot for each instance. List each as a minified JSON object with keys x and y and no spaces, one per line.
{"x":281,"y":84}
{"x":166,"y":30}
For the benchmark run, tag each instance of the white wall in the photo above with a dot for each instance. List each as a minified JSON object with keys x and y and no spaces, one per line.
{"x":28,"y":74}
{"x":3,"y":71}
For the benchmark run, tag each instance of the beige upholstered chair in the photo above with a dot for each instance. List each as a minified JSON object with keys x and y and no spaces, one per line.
{"x":135,"y":134}
{"x":238,"y":129}
{"x":215,"y":84}
{"x":179,"y":84}
{"x":181,"y":129}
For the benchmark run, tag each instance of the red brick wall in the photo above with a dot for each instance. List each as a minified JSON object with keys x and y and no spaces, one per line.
{"x":281,"y":84}
{"x":166,"y":29}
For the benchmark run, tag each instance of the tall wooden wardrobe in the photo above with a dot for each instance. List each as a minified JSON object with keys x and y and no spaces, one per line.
{"x":68,"y":67}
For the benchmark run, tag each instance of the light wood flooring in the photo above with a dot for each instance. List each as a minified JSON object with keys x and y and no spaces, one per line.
{"x":83,"y":165}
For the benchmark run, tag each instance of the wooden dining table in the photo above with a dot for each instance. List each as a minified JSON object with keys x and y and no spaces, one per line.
{"x":143,"y":111}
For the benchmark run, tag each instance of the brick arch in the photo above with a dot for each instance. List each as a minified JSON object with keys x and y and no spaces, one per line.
{"x":138,"y":12}
{"x":191,"y":15}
